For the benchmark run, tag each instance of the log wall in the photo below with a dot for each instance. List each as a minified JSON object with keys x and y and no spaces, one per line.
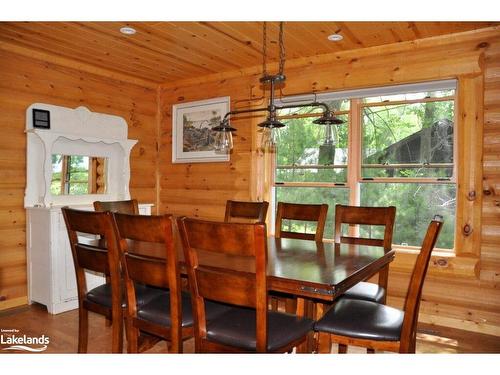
{"x":464,"y":294}
{"x":25,"y":80}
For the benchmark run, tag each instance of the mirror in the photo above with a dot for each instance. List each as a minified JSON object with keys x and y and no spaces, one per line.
{"x":78,"y":175}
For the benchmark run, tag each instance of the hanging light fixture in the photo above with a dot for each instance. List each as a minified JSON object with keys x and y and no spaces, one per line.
{"x":224,"y":141}
{"x":330,"y":137}
{"x":224,"y":138}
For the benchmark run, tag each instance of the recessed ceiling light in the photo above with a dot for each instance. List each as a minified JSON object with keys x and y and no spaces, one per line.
{"x":128,"y":30}
{"x":335,"y":37}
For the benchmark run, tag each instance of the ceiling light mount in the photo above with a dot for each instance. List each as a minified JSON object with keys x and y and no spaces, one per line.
{"x":335,"y":37}
{"x":127,"y":30}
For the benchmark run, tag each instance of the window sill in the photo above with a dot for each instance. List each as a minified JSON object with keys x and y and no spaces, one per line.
{"x":443,"y":263}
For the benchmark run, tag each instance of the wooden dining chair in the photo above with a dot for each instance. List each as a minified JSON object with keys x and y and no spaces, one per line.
{"x":107,"y":298}
{"x":227,"y":262}
{"x":380,"y":216}
{"x":315,"y":213}
{"x":169,"y":314}
{"x":376,"y":326}
{"x":304,"y":212}
{"x":237,"y":211}
{"x":124,"y":207}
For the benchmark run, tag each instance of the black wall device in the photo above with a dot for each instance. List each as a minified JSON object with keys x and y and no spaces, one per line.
{"x":41,"y":118}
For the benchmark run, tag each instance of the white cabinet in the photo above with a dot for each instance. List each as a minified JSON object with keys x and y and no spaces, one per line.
{"x":51,"y":273}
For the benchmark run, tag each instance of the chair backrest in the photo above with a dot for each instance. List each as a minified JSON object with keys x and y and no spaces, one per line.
{"x":233,"y":244}
{"x":303,"y":212}
{"x":353,"y":215}
{"x":414,"y":294}
{"x":101,"y":256}
{"x":160,"y":272}
{"x":124,"y":207}
{"x":246,"y":211}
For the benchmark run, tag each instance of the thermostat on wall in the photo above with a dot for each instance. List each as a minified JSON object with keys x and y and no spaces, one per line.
{"x":41,"y":118}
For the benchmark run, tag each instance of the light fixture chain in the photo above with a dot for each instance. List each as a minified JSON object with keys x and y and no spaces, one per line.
{"x":264,"y":49}
{"x":282,"y":50}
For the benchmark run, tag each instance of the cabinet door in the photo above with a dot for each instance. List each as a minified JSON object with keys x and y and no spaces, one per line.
{"x":66,"y":269}
{"x":67,"y":277}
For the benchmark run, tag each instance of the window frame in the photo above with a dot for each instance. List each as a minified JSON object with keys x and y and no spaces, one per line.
{"x":355,"y":142}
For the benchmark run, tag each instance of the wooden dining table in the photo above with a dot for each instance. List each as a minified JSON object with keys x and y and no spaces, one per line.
{"x":308,"y":269}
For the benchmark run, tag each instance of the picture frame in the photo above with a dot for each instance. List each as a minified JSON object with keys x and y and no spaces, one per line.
{"x":192,"y":139}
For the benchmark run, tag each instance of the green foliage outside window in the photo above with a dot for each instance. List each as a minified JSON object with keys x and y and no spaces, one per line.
{"x":409,"y":135}
{"x":416,"y":137}
{"x":298,"y":152}
{"x":76,"y":179}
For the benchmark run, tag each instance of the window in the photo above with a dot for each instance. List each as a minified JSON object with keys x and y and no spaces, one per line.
{"x":396,"y":147}
{"x":77,"y":175}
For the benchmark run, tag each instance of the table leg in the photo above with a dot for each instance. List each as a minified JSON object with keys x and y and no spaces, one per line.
{"x":383,"y":278}
{"x":301,"y":311}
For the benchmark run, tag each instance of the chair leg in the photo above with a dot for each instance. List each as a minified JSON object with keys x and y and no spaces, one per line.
{"x":83,"y":330}
{"x":290,"y":305}
{"x":274,"y":303}
{"x":175,"y":345}
{"x":370,"y":351}
{"x":179,"y":349}
{"x":117,"y":334}
{"x":342,"y":349}
{"x":324,"y":343}
{"x":132,"y":337}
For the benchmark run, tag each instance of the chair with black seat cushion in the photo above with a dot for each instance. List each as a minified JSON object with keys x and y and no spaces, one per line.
{"x":226,"y":262}
{"x":376,"y":326}
{"x":105,"y":299}
{"x":123,"y":207}
{"x":353,"y":215}
{"x":237,"y":211}
{"x":315,"y":213}
{"x":169,"y":314}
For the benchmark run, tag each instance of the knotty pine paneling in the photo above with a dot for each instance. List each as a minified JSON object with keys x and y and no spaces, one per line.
{"x":24,"y":81}
{"x":200,"y":189}
{"x":469,"y":302}
{"x":490,"y":260}
{"x":169,"y":51}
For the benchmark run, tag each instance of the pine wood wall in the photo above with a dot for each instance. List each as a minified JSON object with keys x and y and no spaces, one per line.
{"x":23,"y":81}
{"x":463,"y":295}
{"x":467,"y":297}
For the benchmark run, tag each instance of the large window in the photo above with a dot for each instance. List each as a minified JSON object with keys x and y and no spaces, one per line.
{"x":396,"y":147}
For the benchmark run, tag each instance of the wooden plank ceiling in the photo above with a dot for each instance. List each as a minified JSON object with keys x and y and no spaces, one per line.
{"x":168,"y":51}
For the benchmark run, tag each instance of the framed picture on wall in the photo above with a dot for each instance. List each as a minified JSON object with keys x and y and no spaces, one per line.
{"x":192,"y":135}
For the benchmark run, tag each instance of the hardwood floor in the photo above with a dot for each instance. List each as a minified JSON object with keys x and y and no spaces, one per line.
{"x":62,"y":329}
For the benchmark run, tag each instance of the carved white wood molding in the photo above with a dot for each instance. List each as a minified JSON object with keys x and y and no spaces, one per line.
{"x":76,"y":132}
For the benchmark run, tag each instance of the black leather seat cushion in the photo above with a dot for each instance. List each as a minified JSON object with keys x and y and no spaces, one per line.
{"x":143,"y":294}
{"x":366,"y":292}
{"x":362,"y":319}
{"x":237,"y":327}
{"x":158,"y":310}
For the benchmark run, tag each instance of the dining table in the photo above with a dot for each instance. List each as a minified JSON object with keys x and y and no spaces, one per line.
{"x":303,"y":268}
{"x":311,"y":271}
